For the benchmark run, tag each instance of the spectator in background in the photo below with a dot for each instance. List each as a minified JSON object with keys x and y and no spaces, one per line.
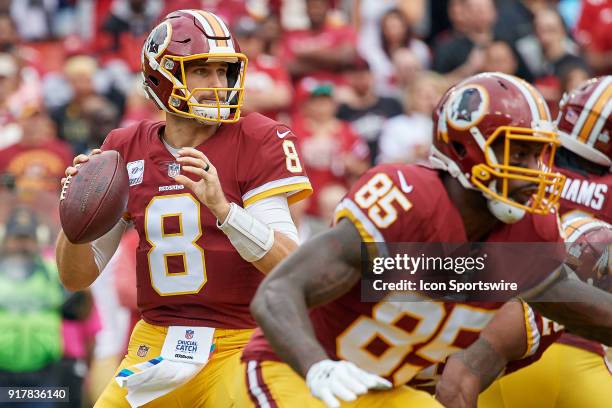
{"x":138,"y":107}
{"x":364,"y":109}
{"x":125,"y":29}
{"x":72,"y":118}
{"x":38,"y":160}
{"x":499,"y":57}
{"x":35,"y":18}
{"x":593,"y":34}
{"x":572,"y":75}
{"x":515,"y":19}
{"x":228,"y":10}
{"x":407,"y":68}
{"x":331,"y":151}
{"x":79,"y":327}
{"x":461,"y":53}
{"x":9,"y":37}
{"x":407,"y":138}
{"x":557,"y":51}
{"x":268,"y":85}
{"x":323,"y":50}
{"x":270,"y":33}
{"x":395,"y":34}
{"x":102,"y":116}
{"x":10,"y":132}
{"x":30,"y":308}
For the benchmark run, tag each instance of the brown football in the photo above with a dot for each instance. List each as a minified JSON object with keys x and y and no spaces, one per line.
{"x":94,"y":200}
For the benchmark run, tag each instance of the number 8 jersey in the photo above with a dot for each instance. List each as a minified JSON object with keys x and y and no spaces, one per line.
{"x":188,"y":272}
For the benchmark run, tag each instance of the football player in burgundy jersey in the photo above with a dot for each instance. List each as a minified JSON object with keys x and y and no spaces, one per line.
{"x":209,"y":194}
{"x":574,"y":371}
{"x":488,"y":183}
{"x":585,"y":131}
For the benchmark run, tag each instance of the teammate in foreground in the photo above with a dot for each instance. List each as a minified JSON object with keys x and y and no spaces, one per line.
{"x":489,"y":184}
{"x":209,"y":195}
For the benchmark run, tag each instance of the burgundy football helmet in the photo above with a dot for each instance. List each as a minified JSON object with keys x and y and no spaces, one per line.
{"x":589,"y":243}
{"x":584,"y":121}
{"x":184,"y":36}
{"x":493,"y":108}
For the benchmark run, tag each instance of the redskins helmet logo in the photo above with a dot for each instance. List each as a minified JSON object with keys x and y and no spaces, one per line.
{"x":158,"y":40}
{"x":467,"y":106}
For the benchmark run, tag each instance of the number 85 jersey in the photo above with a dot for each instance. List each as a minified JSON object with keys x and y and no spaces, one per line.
{"x":188,"y":272}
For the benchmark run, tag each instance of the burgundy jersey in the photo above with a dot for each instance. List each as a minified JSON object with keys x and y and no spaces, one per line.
{"x":588,"y":194}
{"x":400,"y":339}
{"x":188,"y":272}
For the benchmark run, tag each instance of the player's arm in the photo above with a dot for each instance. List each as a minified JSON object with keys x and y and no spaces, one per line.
{"x":75,"y":263}
{"x":253,"y":235}
{"x":263,"y":233}
{"x":80,"y":264}
{"x":583,"y":309}
{"x":319,"y":271}
{"x":470,"y":371}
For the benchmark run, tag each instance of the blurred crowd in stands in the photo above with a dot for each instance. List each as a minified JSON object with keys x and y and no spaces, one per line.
{"x":355,"y":79}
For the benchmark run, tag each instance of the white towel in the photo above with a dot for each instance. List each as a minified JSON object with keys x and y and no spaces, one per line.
{"x":154,"y":378}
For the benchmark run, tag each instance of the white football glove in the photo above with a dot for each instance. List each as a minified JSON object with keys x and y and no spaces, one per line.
{"x":332,"y":380}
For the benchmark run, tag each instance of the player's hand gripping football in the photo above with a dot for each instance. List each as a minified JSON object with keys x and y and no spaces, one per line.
{"x":330,"y":381}
{"x":206,"y":185}
{"x":71,"y":171}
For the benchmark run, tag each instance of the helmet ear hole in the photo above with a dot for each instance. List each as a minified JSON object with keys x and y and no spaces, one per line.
{"x":459,"y":149}
{"x":154,"y":80}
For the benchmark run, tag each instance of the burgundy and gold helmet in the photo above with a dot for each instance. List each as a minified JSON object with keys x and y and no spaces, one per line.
{"x":584,"y":120}
{"x":589,"y":242}
{"x":184,"y":36}
{"x":493,"y":108}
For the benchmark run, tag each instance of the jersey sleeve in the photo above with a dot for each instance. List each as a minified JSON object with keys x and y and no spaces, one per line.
{"x":115,"y":140}
{"x":271,"y":163}
{"x":541,"y":334}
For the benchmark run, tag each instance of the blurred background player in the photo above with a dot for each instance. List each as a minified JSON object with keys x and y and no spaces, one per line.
{"x":207,"y":231}
{"x":585,"y":128}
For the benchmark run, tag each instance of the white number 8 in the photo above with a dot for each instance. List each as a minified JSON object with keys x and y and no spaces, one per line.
{"x":182,"y":243}
{"x":292,"y":159}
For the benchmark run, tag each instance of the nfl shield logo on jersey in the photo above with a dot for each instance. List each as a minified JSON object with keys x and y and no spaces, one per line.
{"x":189,"y":334}
{"x":174,"y":169}
{"x":142,"y":350}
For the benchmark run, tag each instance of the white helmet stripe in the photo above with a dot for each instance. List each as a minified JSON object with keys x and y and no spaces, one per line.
{"x":221,"y":23}
{"x":601,"y":121}
{"x":589,"y":105}
{"x":577,"y":232}
{"x":207,"y":28}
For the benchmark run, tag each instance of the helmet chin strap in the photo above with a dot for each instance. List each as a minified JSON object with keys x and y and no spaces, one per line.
{"x":506,"y":213}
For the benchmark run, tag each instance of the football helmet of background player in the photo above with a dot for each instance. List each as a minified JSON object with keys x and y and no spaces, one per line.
{"x":589,"y":251}
{"x":493,"y":108}
{"x":184,"y":36}
{"x":584,"y":121}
